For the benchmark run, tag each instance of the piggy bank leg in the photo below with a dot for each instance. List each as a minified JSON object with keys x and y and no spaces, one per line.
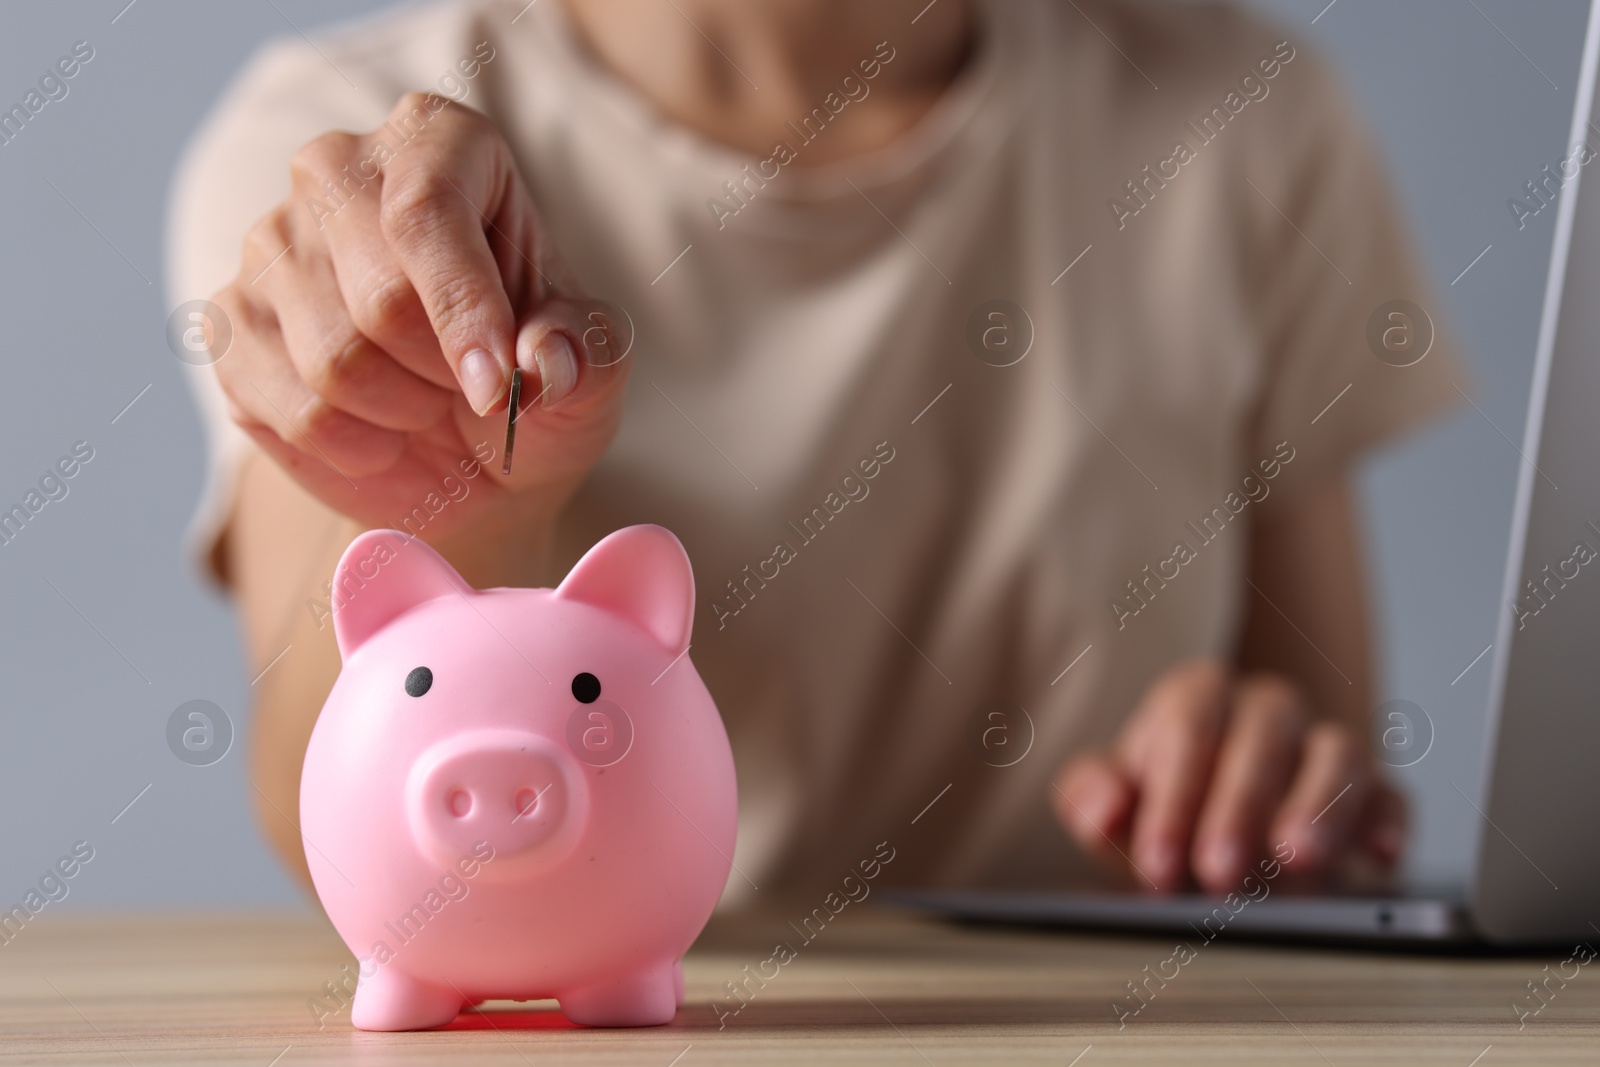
{"x":677,"y":982}
{"x":391,"y":1000}
{"x":645,"y":997}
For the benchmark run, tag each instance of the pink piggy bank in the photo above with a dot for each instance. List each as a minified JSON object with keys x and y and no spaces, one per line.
{"x":517,"y":793}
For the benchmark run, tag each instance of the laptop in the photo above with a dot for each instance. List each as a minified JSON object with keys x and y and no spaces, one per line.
{"x":1537,"y":870}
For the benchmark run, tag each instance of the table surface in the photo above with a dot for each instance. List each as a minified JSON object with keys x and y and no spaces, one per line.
{"x":873,"y":987}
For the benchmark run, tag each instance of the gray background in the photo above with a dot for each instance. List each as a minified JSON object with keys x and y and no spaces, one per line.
{"x":94,"y":666}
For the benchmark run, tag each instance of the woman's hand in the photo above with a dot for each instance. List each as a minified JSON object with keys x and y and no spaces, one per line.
{"x":378,"y":313}
{"x":1215,"y":772}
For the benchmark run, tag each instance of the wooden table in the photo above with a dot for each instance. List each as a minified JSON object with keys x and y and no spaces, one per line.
{"x":874,"y":987}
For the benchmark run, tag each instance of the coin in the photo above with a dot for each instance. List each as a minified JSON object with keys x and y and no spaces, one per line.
{"x":511,"y":416}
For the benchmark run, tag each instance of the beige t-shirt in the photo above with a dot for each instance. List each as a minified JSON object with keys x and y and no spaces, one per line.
{"x":894,"y":538}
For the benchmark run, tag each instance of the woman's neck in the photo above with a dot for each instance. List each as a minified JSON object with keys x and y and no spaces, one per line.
{"x":739,"y":71}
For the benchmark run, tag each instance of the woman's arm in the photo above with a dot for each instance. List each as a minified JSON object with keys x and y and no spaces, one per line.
{"x":281,"y":544}
{"x":1306,"y":614}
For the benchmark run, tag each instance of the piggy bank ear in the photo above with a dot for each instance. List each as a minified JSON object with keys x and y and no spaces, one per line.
{"x":380,"y":576}
{"x":642,"y":574}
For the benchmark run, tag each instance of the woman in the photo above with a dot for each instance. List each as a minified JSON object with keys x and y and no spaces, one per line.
{"x":1001,"y":364}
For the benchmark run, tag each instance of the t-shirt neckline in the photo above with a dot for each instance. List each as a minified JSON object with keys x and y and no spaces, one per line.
{"x":972,"y":105}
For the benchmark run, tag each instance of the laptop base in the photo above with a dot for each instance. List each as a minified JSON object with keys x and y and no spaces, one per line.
{"x":1395,"y":921}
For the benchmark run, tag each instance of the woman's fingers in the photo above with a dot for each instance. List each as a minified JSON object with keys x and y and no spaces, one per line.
{"x":1174,"y":744}
{"x":266,"y":392}
{"x":378,"y":313}
{"x":385,"y":304}
{"x":1385,"y":825}
{"x":379,"y":297}
{"x":1094,"y":800}
{"x":339,"y":361}
{"x":1212,"y":774}
{"x":301,"y":370}
{"x":1325,"y":804}
{"x":577,"y":351}
{"x":1253,"y":772}
{"x":436,"y":231}
{"x":442,"y":195}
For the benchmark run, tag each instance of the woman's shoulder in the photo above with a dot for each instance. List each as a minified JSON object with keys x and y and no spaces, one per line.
{"x":1178,"y":35}
{"x":1195,"y":77}
{"x":1176,"y":55}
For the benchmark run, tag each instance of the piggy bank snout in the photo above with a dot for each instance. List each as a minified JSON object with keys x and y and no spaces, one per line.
{"x":516,"y":792}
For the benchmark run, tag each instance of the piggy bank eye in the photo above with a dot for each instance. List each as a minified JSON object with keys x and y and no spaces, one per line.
{"x":586,"y":687}
{"x":419,"y":681}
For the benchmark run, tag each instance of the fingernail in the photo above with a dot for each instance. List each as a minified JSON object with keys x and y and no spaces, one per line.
{"x":482,"y":379}
{"x":1312,"y":847}
{"x":558,"y":368}
{"x":1223,"y":860}
{"x":1163,"y":864}
{"x":1095,"y":811}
